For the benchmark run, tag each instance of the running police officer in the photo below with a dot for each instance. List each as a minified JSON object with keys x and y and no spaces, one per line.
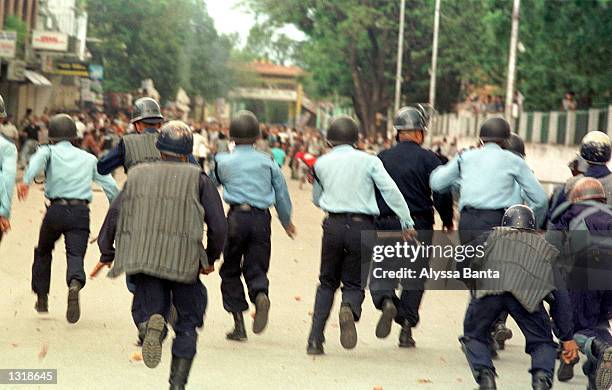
{"x":409,"y":165}
{"x":489,"y":178}
{"x":524,"y":261}
{"x":138,"y":147}
{"x":595,"y":149}
{"x":252,"y":183}
{"x":8,"y":168}
{"x":69,"y":173}
{"x":162,"y":210}
{"x":344,"y":188}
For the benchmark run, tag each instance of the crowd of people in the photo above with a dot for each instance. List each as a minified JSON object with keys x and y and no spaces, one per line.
{"x":154,"y":228}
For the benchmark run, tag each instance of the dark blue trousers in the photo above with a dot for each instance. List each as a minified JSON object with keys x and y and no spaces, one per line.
{"x":536,"y":328}
{"x":155,"y":294}
{"x":73,"y":223}
{"x":408,"y":302}
{"x":340,"y":264}
{"x":246,"y":253}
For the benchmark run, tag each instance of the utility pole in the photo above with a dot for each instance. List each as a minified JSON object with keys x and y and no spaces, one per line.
{"x":434,"y":56}
{"x":512,"y":59}
{"x":400,"y":50}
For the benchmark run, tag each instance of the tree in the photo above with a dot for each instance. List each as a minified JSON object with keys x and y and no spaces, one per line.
{"x":172,"y":42}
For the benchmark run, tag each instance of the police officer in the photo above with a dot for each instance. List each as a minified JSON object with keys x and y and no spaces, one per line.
{"x":523,"y":260}
{"x":344,"y":189}
{"x":409,"y":165}
{"x":162,"y":210}
{"x":252,"y":183}
{"x":8,"y":168}
{"x":592,"y":307}
{"x":595,"y":149}
{"x":489,"y":177}
{"x":138,"y":147}
{"x":69,"y":173}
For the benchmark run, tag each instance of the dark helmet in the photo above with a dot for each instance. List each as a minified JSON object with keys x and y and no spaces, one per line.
{"x":62,"y":128}
{"x":175,"y":138}
{"x":516,"y":145}
{"x":409,"y":118}
{"x":147,"y":110}
{"x":342,"y":131}
{"x":2,"y":108}
{"x":587,"y":188}
{"x":244,"y":127}
{"x":495,"y":130}
{"x":595,"y":148}
{"x":519,"y":217}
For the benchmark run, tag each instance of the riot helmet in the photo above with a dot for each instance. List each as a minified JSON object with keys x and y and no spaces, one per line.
{"x":62,"y":128}
{"x":519,"y":217}
{"x":587,"y":188}
{"x":175,"y":139}
{"x":516,"y":145}
{"x":342,"y":131}
{"x":595,"y":148}
{"x":244,"y":127}
{"x":147,"y":110}
{"x":2,"y":108}
{"x":495,"y":130}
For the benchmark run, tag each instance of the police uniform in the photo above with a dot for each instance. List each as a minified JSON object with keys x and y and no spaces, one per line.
{"x":135,"y":148}
{"x":69,"y":173}
{"x":523,"y":260}
{"x":252,"y":183}
{"x":344,"y":189}
{"x":488,"y":178}
{"x":158,"y":234}
{"x":409,"y":165}
{"x":8,"y":168}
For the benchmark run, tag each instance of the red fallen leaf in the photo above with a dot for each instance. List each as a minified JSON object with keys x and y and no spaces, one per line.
{"x":136,"y":356}
{"x":43,"y":351}
{"x":297,"y":298}
{"x":423,"y":381}
{"x":377,"y":387}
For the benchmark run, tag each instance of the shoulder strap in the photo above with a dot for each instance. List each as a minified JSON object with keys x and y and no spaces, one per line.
{"x":579,"y":221}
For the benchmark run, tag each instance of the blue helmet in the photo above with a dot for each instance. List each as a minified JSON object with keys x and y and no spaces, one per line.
{"x":519,"y":217}
{"x":175,"y":139}
{"x":595,"y":148}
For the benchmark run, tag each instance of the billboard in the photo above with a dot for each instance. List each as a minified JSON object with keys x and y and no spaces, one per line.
{"x":49,"y":40}
{"x":8,"y":44}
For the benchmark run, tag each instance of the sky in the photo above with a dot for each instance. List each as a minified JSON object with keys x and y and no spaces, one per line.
{"x":230,"y":18}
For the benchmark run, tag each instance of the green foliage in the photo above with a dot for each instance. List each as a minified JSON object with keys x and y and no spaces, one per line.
{"x":173,"y":42}
{"x":13,"y":23}
{"x":264,"y":42}
{"x":568,"y":46}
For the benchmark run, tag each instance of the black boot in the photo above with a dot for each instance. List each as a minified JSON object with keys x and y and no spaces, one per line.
{"x":73,"y":310}
{"x":603,"y":372}
{"x":541,"y":380}
{"x":566,"y":370}
{"x":389,"y":311}
{"x":315,"y":347}
{"x":239,"y":332}
{"x":42,"y":303}
{"x":262,"y":307}
{"x":152,"y":342}
{"x":485,"y":377}
{"x":179,"y":372}
{"x":348,"y":332}
{"x":405,"y":336}
{"x":501,"y":333}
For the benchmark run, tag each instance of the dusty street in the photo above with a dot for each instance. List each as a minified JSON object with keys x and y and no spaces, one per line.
{"x":95,"y":353}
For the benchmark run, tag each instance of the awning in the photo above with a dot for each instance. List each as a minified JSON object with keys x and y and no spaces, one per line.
{"x":37,"y":79}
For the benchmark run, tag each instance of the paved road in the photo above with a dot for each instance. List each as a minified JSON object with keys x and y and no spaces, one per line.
{"x":95,"y":353}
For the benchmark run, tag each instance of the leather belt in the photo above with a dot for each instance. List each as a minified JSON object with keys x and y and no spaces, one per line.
{"x":244,"y":207}
{"x":352,"y":216}
{"x":69,"y":202}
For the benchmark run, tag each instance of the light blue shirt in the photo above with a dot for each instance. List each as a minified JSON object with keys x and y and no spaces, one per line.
{"x":8,"y":168}
{"x":69,"y":172}
{"x":491,"y":178}
{"x":345,"y":184}
{"x":252,"y":177}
